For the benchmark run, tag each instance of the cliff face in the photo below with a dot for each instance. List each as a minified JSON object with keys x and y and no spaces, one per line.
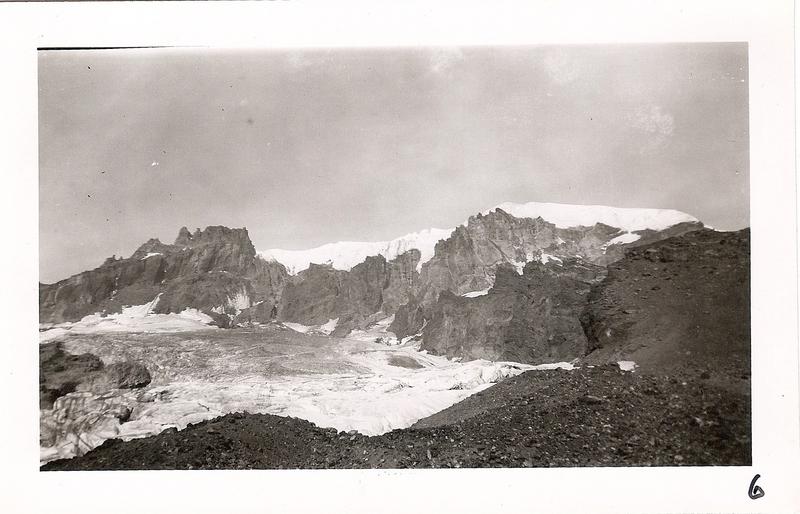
{"x":322,"y":293}
{"x":467,"y":260}
{"x":531,"y":318}
{"x":218,"y":272}
{"x":215,"y":270}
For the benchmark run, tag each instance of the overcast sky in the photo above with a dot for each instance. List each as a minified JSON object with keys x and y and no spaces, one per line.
{"x":314,"y":146}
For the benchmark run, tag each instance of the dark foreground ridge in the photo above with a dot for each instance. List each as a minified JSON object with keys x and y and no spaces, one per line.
{"x":597,"y":416}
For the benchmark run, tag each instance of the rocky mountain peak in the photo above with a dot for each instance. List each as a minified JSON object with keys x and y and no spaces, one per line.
{"x":184,"y":237}
{"x":216,"y":235}
{"x":151,"y":247}
{"x":214,"y":270}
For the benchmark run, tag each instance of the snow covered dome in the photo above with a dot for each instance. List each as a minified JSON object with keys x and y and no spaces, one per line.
{"x":624,"y":218}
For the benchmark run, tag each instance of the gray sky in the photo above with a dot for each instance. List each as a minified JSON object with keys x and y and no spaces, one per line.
{"x":314,"y":146}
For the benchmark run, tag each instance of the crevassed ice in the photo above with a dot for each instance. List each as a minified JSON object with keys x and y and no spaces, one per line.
{"x":354,"y":385}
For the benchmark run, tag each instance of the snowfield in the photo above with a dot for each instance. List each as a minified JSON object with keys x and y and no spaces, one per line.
{"x":136,"y":318}
{"x":346,"y":254}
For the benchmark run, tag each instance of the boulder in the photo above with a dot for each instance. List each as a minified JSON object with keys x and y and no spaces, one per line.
{"x":127,"y":375}
{"x":61,"y":373}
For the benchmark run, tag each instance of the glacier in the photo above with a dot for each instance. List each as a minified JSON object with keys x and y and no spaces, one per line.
{"x":346,"y":254}
{"x":346,"y":384}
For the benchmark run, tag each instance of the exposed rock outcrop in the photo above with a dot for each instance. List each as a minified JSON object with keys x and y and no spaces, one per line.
{"x":467,"y":260}
{"x":215,"y":270}
{"x":322,"y":293}
{"x":530,"y":318}
{"x":673,"y":302}
{"x":61,"y":373}
{"x":120,"y":375}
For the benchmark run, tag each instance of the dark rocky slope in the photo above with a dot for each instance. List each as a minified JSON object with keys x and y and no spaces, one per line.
{"x":679,"y":302}
{"x":587,"y":417}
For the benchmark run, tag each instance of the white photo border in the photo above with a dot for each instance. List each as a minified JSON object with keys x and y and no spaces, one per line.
{"x":767,"y":27}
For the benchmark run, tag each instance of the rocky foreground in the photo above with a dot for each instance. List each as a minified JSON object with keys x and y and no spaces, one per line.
{"x":598,"y":416}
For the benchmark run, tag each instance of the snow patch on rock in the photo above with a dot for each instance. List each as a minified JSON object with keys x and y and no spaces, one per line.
{"x":475,"y":294}
{"x":625,"y":238}
{"x":378,"y":331}
{"x":238,"y":302}
{"x":324,"y":329}
{"x":298,"y":327}
{"x":545,"y":258}
{"x":329,"y":327}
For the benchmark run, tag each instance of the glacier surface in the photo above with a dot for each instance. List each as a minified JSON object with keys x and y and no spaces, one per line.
{"x":347,"y":384}
{"x":346,"y":254}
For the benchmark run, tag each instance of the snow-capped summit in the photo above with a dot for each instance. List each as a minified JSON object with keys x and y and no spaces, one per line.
{"x":625,"y":218}
{"x":346,"y":254}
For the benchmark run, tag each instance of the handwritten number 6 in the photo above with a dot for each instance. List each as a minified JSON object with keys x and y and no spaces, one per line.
{"x":755,"y":492}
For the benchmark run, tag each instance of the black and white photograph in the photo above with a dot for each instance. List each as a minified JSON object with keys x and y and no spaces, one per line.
{"x":243,"y":267}
{"x":460,"y":258}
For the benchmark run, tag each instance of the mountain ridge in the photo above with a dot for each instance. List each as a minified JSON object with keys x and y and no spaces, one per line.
{"x":343,"y":255}
{"x":218,"y":273}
